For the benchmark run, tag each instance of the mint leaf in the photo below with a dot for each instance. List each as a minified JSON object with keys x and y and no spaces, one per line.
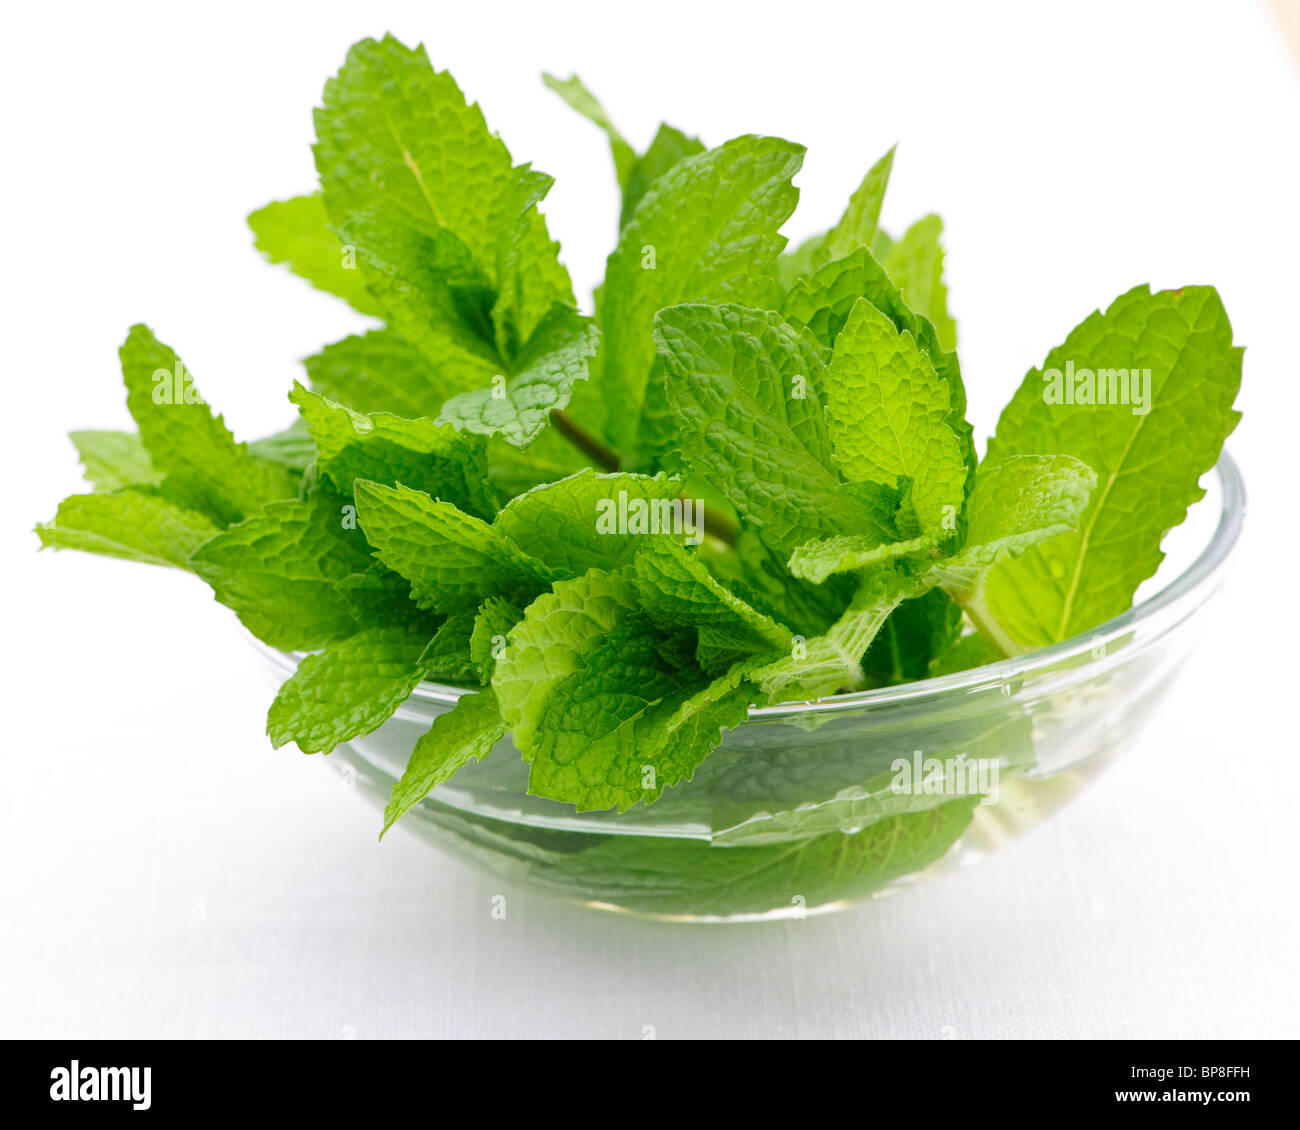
{"x":857,"y":226}
{"x":677,"y":590}
{"x":292,"y":447}
{"x":747,"y":393}
{"x":794,"y":265}
{"x":132,"y":524}
{"x":298,"y":577}
{"x":512,"y":470}
{"x":349,"y":689}
{"x":823,"y":303}
{"x":530,"y":278}
{"x":1019,"y":502}
{"x":590,"y":520}
{"x":669,"y":146}
{"x":380,"y":371}
{"x":581,"y":99}
{"x":909,"y":642}
{"x":465,"y":733}
{"x":449,"y":656}
{"x":413,"y":177}
{"x":1148,"y":462}
{"x":707,"y":230}
{"x":192,"y":447}
{"x":394,"y":134}
{"x":452,"y":559}
{"x":114,"y":460}
{"x":887,"y":411}
{"x":762,"y":579}
{"x":848,"y":553}
{"x":421,"y":454}
{"x":831,"y":662}
{"x":296,"y":232}
{"x":973,"y":650}
{"x":915,"y":263}
{"x":558,"y":353}
{"x":596,"y":704}
{"x":431,"y":293}
{"x":686,"y":876}
{"x":487,"y":640}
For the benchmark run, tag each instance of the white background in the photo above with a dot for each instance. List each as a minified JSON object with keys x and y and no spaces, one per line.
{"x":164,"y":872}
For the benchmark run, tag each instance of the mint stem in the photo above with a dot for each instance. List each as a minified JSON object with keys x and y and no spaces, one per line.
{"x":588,"y":444}
{"x":716,"y":525}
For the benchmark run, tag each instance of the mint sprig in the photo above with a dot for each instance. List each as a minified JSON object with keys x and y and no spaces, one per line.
{"x":744,"y":477}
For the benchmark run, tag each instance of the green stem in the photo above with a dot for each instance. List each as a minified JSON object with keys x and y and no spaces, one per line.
{"x":973,"y":604}
{"x":588,"y":444}
{"x":716,"y":525}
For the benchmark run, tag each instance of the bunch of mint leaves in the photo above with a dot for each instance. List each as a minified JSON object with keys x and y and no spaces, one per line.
{"x":432,"y":513}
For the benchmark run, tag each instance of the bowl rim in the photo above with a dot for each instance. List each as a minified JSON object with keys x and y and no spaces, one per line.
{"x":1188,"y":590}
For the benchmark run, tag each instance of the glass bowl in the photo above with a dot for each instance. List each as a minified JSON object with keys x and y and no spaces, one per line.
{"x":810,"y":807}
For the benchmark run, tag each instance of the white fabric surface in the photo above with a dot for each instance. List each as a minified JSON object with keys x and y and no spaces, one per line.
{"x":163,"y":872}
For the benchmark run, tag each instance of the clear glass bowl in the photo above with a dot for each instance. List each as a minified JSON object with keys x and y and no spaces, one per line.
{"x":809,"y":807}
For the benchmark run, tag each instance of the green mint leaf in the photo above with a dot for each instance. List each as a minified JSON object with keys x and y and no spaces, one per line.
{"x":421,"y":454}
{"x":707,"y":230}
{"x":134,"y":524}
{"x":1019,"y":502}
{"x":747,"y":392}
{"x":349,"y":689}
{"x":972,"y":650}
{"x":380,"y":371}
{"x":453,"y":560}
{"x":596,"y":704}
{"x":594,"y":521}
{"x":531,"y":278}
{"x":830,"y":663}
{"x":518,"y":409}
{"x":465,"y":733}
{"x":1148,"y":455}
{"x":114,"y":460}
{"x":431,"y":293}
{"x":449,"y":657}
{"x":581,"y":99}
{"x":887,"y":411}
{"x":397,"y":140}
{"x":192,"y":447}
{"x":494,"y":620}
{"x":677,"y":591}
{"x":669,"y":146}
{"x":823,"y":303}
{"x":293,"y":447}
{"x":857,"y":226}
{"x":685,"y":876}
{"x":848,"y":553}
{"x":915,"y":263}
{"x":300,"y":575}
{"x":916,"y":633}
{"x":752,"y":571}
{"x":395,"y":135}
{"x":799,"y":263}
{"x":296,"y":232}
{"x":512,"y":471}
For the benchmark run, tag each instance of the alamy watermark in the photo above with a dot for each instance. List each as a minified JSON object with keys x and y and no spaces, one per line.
{"x":75,"y":1083}
{"x":175,"y":386}
{"x":626,"y":515}
{"x":946,"y":776}
{"x":1098,"y":386}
